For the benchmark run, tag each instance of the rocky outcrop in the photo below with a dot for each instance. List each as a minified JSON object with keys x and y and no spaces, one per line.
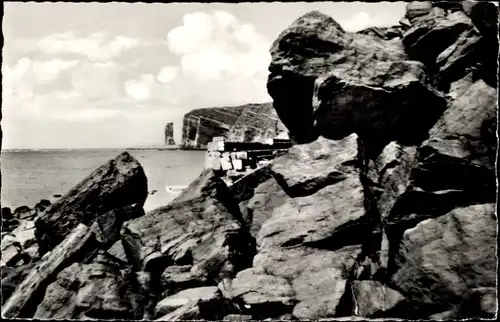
{"x":169,"y":134}
{"x":117,"y":184}
{"x":325,"y":81}
{"x":247,"y":123}
{"x":382,"y":208}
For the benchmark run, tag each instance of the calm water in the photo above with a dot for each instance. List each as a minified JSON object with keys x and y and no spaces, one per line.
{"x":29,"y":176}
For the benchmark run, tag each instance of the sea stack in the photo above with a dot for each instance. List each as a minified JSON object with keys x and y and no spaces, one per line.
{"x":169,"y":134}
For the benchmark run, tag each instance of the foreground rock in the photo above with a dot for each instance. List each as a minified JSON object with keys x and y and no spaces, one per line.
{"x":99,"y":290}
{"x":20,"y":245}
{"x":115,"y":185}
{"x":441,"y":259}
{"x":203,"y":295}
{"x":373,"y":299}
{"x":308,"y":282}
{"x":22,"y":303}
{"x":325,"y":81}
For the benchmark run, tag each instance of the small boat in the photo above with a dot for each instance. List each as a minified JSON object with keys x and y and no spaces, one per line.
{"x":175,"y":189}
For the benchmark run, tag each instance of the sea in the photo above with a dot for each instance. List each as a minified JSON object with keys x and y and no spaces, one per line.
{"x":31,"y":175}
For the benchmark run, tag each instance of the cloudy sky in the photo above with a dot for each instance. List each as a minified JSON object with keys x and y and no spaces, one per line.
{"x":96,"y":75}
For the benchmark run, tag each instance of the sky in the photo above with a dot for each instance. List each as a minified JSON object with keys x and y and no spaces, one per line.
{"x":111,"y":75}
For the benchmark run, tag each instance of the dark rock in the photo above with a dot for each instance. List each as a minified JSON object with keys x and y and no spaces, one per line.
{"x":441,"y":259}
{"x":484,"y":15}
{"x":190,"y":311}
{"x":307,"y":168}
{"x":426,"y":39}
{"x":455,"y":62}
{"x":175,"y":301}
{"x":318,"y":277}
{"x":42,"y":205}
{"x":177,"y":278}
{"x":259,"y":294}
{"x":169,"y":134}
{"x":325,"y":81}
{"x":110,"y":223}
{"x":479,"y":302}
{"x":23,"y":301}
{"x":6,"y":213}
{"x":24,"y":212}
{"x":374,"y":299}
{"x":115,"y":185}
{"x":118,"y":252}
{"x":198,"y":232}
{"x":267,"y":196}
{"x":89,"y":291}
{"x":12,"y":277}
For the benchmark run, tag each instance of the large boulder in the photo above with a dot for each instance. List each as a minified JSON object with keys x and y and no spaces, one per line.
{"x":98,"y":290}
{"x":308,"y":282}
{"x":114,"y":185}
{"x":325,"y":81}
{"x":441,"y":259}
{"x":325,"y":201}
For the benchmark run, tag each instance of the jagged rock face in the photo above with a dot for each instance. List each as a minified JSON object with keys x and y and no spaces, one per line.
{"x":441,"y":259}
{"x":201,"y":125}
{"x":257,"y":123}
{"x":169,"y":134}
{"x":325,"y":81}
{"x":455,"y":166}
{"x":114,"y":185}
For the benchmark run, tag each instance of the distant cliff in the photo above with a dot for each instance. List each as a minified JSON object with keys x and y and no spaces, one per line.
{"x":251,"y":122}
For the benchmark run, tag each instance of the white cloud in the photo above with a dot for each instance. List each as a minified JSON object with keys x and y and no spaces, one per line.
{"x":49,"y":70}
{"x":216,"y":45}
{"x":97,"y":46}
{"x":140,"y":89}
{"x":96,"y":80}
{"x":362,"y":20}
{"x":167,"y":74}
